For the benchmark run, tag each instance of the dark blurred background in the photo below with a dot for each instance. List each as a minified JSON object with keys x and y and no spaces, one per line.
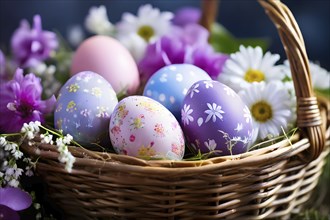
{"x":244,"y":18}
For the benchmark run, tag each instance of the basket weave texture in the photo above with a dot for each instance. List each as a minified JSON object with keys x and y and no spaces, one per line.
{"x":268,"y":183}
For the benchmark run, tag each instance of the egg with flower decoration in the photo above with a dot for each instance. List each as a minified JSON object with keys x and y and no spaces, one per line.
{"x":170,"y":84}
{"x":107,"y":57}
{"x":83,"y":107}
{"x":215,"y":119}
{"x":142,"y":127}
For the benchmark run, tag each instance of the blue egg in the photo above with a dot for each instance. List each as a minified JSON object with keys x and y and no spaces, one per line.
{"x":83,"y":108}
{"x":170,"y":84}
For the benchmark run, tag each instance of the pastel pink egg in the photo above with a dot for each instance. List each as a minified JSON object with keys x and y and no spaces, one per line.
{"x":144,"y":128}
{"x":110,"y":59}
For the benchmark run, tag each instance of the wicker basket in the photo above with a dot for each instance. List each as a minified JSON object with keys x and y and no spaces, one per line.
{"x":267,"y":183}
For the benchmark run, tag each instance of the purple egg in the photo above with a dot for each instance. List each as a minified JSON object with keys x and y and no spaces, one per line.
{"x":214,"y":118}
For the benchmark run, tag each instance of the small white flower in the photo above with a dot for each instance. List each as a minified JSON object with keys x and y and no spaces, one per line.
{"x":271,"y":108}
{"x":38,"y":216}
{"x":3,"y":141}
{"x":10,"y":147}
{"x":13,"y":183}
{"x":213,"y":112}
{"x":59,"y":142}
{"x":46,"y":138}
{"x":36,"y":206}
{"x":31,"y":129}
{"x":185,"y":114}
{"x":97,"y":21}
{"x":250,"y":65}
{"x":194,"y":90}
{"x":35,"y":126}
{"x":150,"y":23}
{"x":75,"y":35}
{"x":67,"y":139}
{"x":18,"y":173}
{"x":211,"y":145}
{"x":18,"y":154}
{"x":28,"y":171}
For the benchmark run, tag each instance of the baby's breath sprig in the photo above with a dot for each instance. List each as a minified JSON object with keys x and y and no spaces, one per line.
{"x":62,"y":141}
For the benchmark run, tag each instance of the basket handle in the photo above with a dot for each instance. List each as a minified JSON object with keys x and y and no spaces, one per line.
{"x":308,"y":114}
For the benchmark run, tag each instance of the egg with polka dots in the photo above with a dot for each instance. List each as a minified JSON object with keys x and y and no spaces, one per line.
{"x":83,"y":108}
{"x":170,"y":84}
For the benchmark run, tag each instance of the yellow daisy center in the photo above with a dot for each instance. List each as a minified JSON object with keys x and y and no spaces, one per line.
{"x":262,"y":111}
{"x":253,"y":75}
{"x":146,"y":32}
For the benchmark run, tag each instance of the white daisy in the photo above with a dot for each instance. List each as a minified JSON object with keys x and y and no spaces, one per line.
{"x":320,"y":76}
{"x":149,"y":23}
{"x":213,"y":112}
{"x":97,"y":21}
{"x":271,"y":107}
{"x":185,"y":114}
{"x":135,"y":45}
{"x":249,"y":65}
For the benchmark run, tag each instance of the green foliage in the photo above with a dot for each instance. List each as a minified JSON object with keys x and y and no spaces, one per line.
{"x":223,"y":41}
{"x":310,"y":215}
{"x":323,"y":92}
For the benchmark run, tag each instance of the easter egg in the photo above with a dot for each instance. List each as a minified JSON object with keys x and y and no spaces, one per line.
{"x":170,"y":84}
{"x":215,"y":119}
{"x":142,"y":127}
{"x":83,"y":108}
{"x":107,"y":57}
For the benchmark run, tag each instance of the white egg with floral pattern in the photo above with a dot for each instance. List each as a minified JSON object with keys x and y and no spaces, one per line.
{"x":144,"y":128}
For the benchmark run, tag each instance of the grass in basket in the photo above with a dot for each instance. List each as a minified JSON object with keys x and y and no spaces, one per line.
{"x":202,"y":156}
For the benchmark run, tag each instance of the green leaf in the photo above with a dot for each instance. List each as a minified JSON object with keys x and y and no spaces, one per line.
{"x":323,"y":92}
{"x":223,"y":41}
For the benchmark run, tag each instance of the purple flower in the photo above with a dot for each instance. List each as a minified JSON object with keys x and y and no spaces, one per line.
{"x":208,"y":60}
{"x":20,"y":102}
{"x":2,"y":63}
{"x":187,"y":15}
{"x":164,"y":51}
{"x":11,"y":201}
{"x":30,"y":46}
{"x":185,"y":45}
{"x":2,"y":68}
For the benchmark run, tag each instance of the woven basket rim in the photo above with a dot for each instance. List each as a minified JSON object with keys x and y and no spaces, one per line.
{"x":280,"y":151}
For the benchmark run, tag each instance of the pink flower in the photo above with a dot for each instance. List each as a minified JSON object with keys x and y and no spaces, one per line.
{"x":20,"y":102}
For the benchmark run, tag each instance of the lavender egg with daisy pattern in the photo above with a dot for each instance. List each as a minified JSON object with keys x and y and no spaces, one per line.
{"x":215,"y":119}
{"x":144,"y":128}
{"x":83,"y":108}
